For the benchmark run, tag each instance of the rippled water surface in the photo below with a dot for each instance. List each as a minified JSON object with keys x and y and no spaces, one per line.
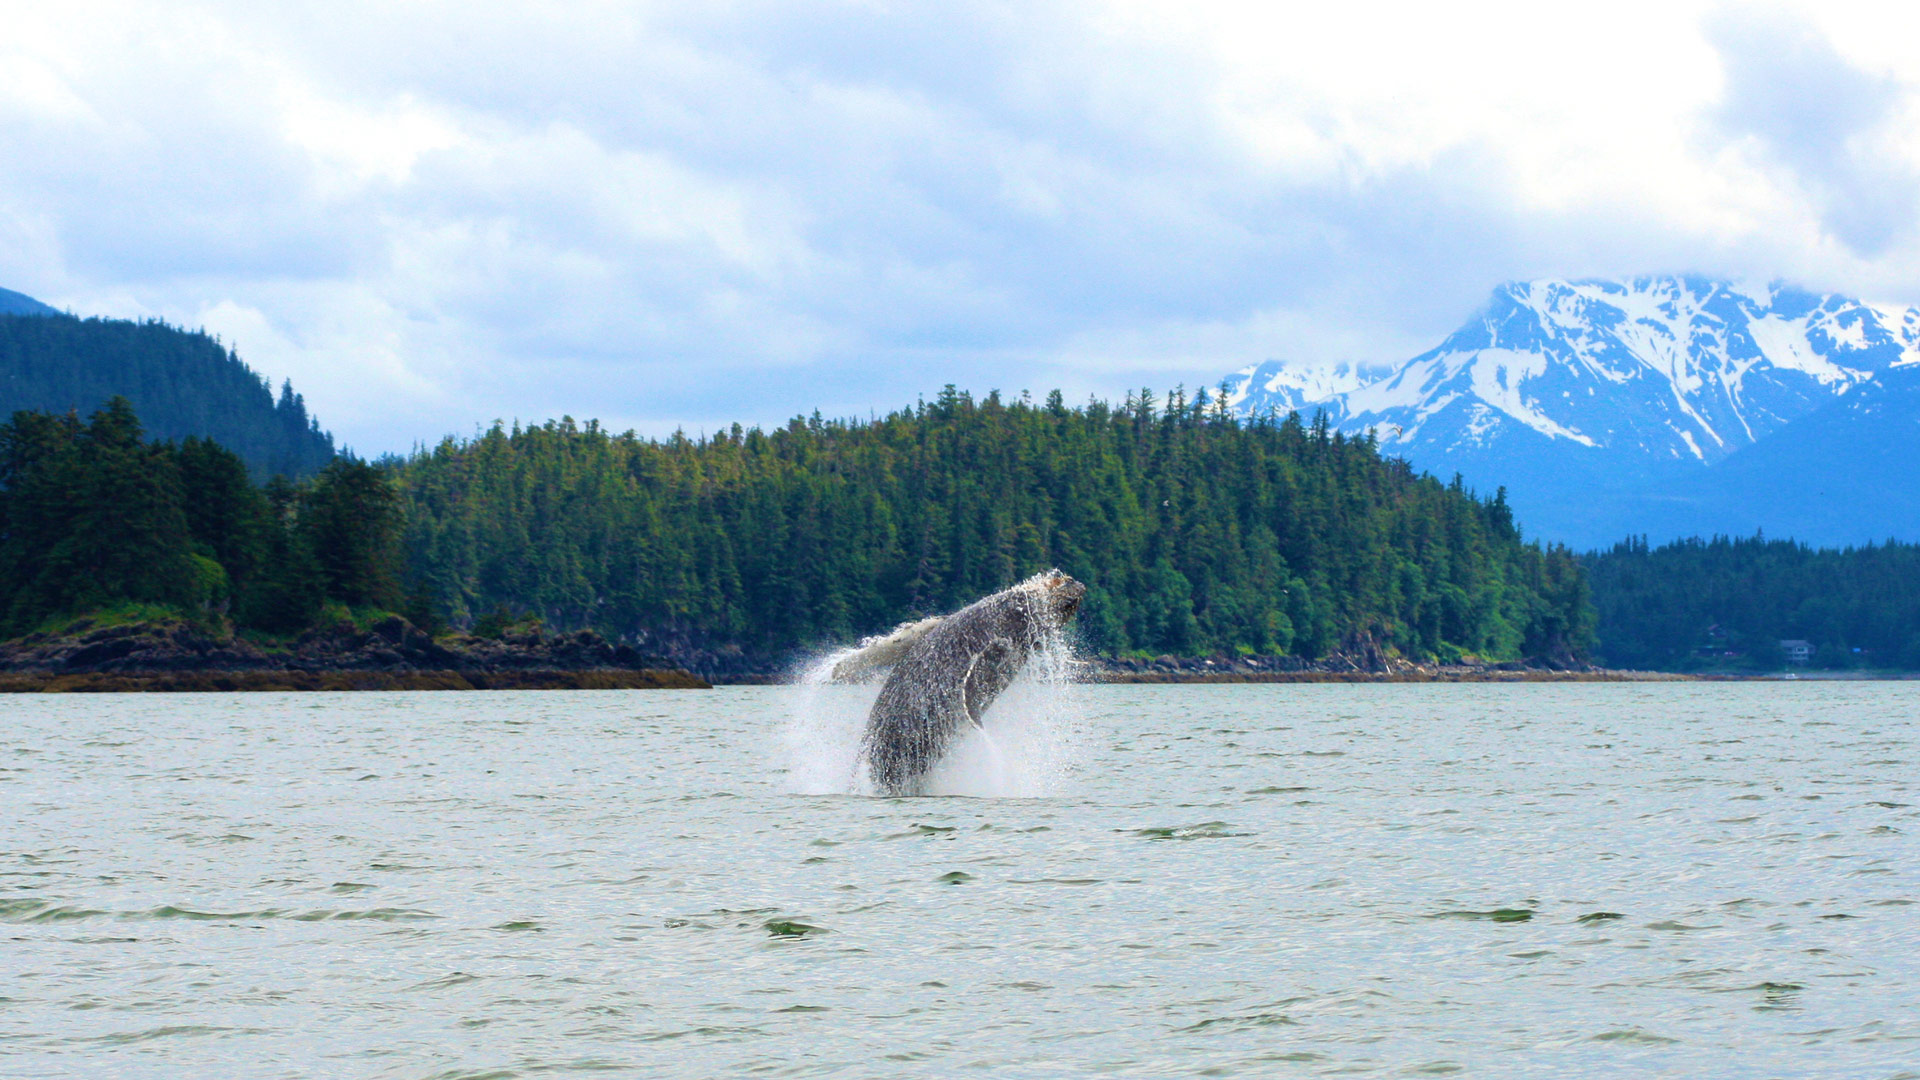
{"x":1575,"y":880}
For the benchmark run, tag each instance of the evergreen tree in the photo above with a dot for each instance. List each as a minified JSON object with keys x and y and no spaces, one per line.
{"x":350,"y":519}
{"x":226,"y":514}
{"x":288,"y":591}
{"x":93,"y":518}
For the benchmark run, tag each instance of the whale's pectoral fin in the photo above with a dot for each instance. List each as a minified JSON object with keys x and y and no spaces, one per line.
{"x":877,"y":653}
{"x":987,"y":676}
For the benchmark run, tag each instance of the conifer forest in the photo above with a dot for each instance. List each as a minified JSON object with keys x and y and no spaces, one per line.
{"x":1728,"y":603}
{"x":1198,"y":533}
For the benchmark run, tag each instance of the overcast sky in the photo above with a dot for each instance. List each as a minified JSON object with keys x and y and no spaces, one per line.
{"x":430,"y":215}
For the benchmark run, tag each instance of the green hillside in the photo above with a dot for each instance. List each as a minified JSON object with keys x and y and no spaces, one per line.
{"x":181,"y":383}
{"x":1196,"y":532}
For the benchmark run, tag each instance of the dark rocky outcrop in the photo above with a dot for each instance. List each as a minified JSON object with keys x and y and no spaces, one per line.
{"x":196,"y":681}
{"x":526,"y":659}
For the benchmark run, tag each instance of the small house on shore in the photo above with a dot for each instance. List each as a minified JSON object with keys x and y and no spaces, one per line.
{"x":1797,"y":651}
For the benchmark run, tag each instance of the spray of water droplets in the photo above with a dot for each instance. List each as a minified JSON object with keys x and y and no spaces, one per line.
{"x":1025,"y":748}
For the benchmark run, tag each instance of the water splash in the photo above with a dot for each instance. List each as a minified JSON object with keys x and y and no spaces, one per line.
{"x":1026,"y":748}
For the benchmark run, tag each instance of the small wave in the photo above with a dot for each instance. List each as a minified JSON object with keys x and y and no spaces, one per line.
{"x":792,"y":928}
{"x":710,"y":1031}
{"x":1206,"y":830}
{"x":169,"y":911}
{"x":1633,"y":1035}
{"x":375,"y":915}
{"x":1242,"y":1023}
{"x":172,"y":1031}
{"x":458,"y":978}
{"x":913,"y":831}
{"x":62,"y":914}
{"x":1499,"y":915}
{"x":39,"y":912}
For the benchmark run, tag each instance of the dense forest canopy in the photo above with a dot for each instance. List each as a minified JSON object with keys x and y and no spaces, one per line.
{"x":1724,"y":602}
{"x":92,"y":516}
{"x":181,"y":383}
{"x":1196,"y":532}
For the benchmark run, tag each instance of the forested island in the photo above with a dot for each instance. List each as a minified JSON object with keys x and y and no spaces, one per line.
{"x":1202,"y":534}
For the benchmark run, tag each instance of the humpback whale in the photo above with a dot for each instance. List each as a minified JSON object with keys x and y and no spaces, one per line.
{"x":947,"y":671}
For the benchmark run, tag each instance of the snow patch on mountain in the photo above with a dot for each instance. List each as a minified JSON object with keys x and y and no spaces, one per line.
{"x":1787,"y":344}
{"x":1288,"y":388}
{"x":1904,"y":325}
{"x":1498,"y":377}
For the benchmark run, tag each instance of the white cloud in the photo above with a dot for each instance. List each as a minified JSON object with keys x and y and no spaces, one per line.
{"x":435,"y":214}
{"x":360,"y":144}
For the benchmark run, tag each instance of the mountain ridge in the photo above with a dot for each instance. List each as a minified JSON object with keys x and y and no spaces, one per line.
{"x":1603,"y":405}
{"x":180,"y":382}
{"x":13,"y":303}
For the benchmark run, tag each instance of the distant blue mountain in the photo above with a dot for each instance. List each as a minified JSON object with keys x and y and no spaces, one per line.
{"x":13,"y":303}
{"x":180,"y":382}
{"x":1664,"y":406}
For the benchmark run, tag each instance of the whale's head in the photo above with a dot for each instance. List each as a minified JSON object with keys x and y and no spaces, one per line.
{"x":1060,"y":595}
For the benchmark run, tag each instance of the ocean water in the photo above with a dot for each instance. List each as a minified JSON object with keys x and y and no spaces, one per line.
{"x":1406,"y":880}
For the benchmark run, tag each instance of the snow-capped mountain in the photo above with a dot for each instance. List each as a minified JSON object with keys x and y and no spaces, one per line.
{"x":1281,"y":388}
{"x":1561,"y":389}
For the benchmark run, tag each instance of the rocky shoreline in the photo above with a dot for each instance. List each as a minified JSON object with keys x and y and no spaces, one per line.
{"x":1456,"y":673}
{"x":1369,"y":666}
{"x":390,"y":654}
{"x":175,"y":682}
{"x":393,"y":654}
{"x":1359,"y":667}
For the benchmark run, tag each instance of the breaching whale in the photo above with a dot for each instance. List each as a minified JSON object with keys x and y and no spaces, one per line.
{"x":946,"y":672}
